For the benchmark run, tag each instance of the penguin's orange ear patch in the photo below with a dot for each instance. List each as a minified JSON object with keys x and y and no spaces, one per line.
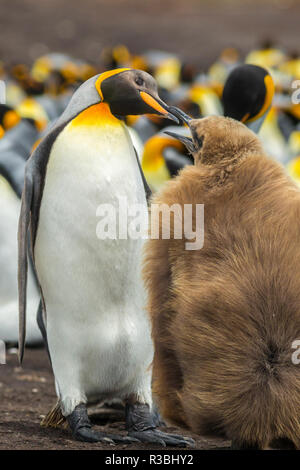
{"x":152,"y":103}
{"x":104,"y":76}
{"x":270,"y":90}
{"x":245,"y":118}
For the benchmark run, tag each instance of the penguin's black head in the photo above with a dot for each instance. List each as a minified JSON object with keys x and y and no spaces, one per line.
{"x":129,"y":92}
{"x":248,"y":93}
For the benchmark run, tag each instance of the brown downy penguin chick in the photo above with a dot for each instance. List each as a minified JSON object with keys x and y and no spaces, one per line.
{"x":225,"y":317}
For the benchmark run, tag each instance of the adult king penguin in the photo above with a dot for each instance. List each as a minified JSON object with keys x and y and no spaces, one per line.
{"x":248,"y":95}
{"x":93,"y":298}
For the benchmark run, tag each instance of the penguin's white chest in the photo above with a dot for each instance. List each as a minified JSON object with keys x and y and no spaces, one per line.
{"x":97,"y":329}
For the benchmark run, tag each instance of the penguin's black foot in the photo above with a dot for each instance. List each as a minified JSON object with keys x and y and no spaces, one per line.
{"x":140,"y":424}
{"x":157,"y":418}
{"x":82,"y":430}
{"x":154,"y":436}
{"x":88,"y":435}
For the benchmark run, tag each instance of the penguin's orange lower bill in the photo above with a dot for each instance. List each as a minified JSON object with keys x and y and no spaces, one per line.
{"x":152,"y":103}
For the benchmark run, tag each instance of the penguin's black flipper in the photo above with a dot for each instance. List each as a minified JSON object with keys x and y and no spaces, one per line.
{"x":148,"y":191}
{"x":23,"y":260}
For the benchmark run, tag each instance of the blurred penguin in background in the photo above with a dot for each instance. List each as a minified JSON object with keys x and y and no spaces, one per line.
{"x":15,"y":149}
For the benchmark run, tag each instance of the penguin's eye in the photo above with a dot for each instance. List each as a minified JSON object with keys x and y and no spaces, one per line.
{"x":139,"y":81}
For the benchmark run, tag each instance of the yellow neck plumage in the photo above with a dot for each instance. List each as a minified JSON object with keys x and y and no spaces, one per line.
{"x":97,"y":115}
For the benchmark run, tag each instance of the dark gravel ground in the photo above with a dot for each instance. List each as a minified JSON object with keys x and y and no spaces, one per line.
{"x":27,"y":393}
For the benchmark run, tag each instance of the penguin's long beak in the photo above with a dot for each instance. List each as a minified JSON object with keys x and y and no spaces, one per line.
{"x":158,"y":106}
{"x":184,"y":118}
{"x":187,"y":141}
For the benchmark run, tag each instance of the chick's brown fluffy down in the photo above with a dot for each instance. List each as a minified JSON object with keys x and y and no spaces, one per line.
{"x":225,"y":317}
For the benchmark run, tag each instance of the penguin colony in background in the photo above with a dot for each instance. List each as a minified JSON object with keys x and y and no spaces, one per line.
{"x":30,"y":121}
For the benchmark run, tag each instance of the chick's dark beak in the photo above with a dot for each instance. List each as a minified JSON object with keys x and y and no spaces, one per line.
{"x":184,"y":119}
{"x":158,"y":106}
{"x":187,"y":141}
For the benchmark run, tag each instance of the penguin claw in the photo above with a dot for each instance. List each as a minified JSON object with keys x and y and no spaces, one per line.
{"x":86,"y":434}
{"x":118,"y":439}
{"x":154,"y":436}
{"x":107,"y":440}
